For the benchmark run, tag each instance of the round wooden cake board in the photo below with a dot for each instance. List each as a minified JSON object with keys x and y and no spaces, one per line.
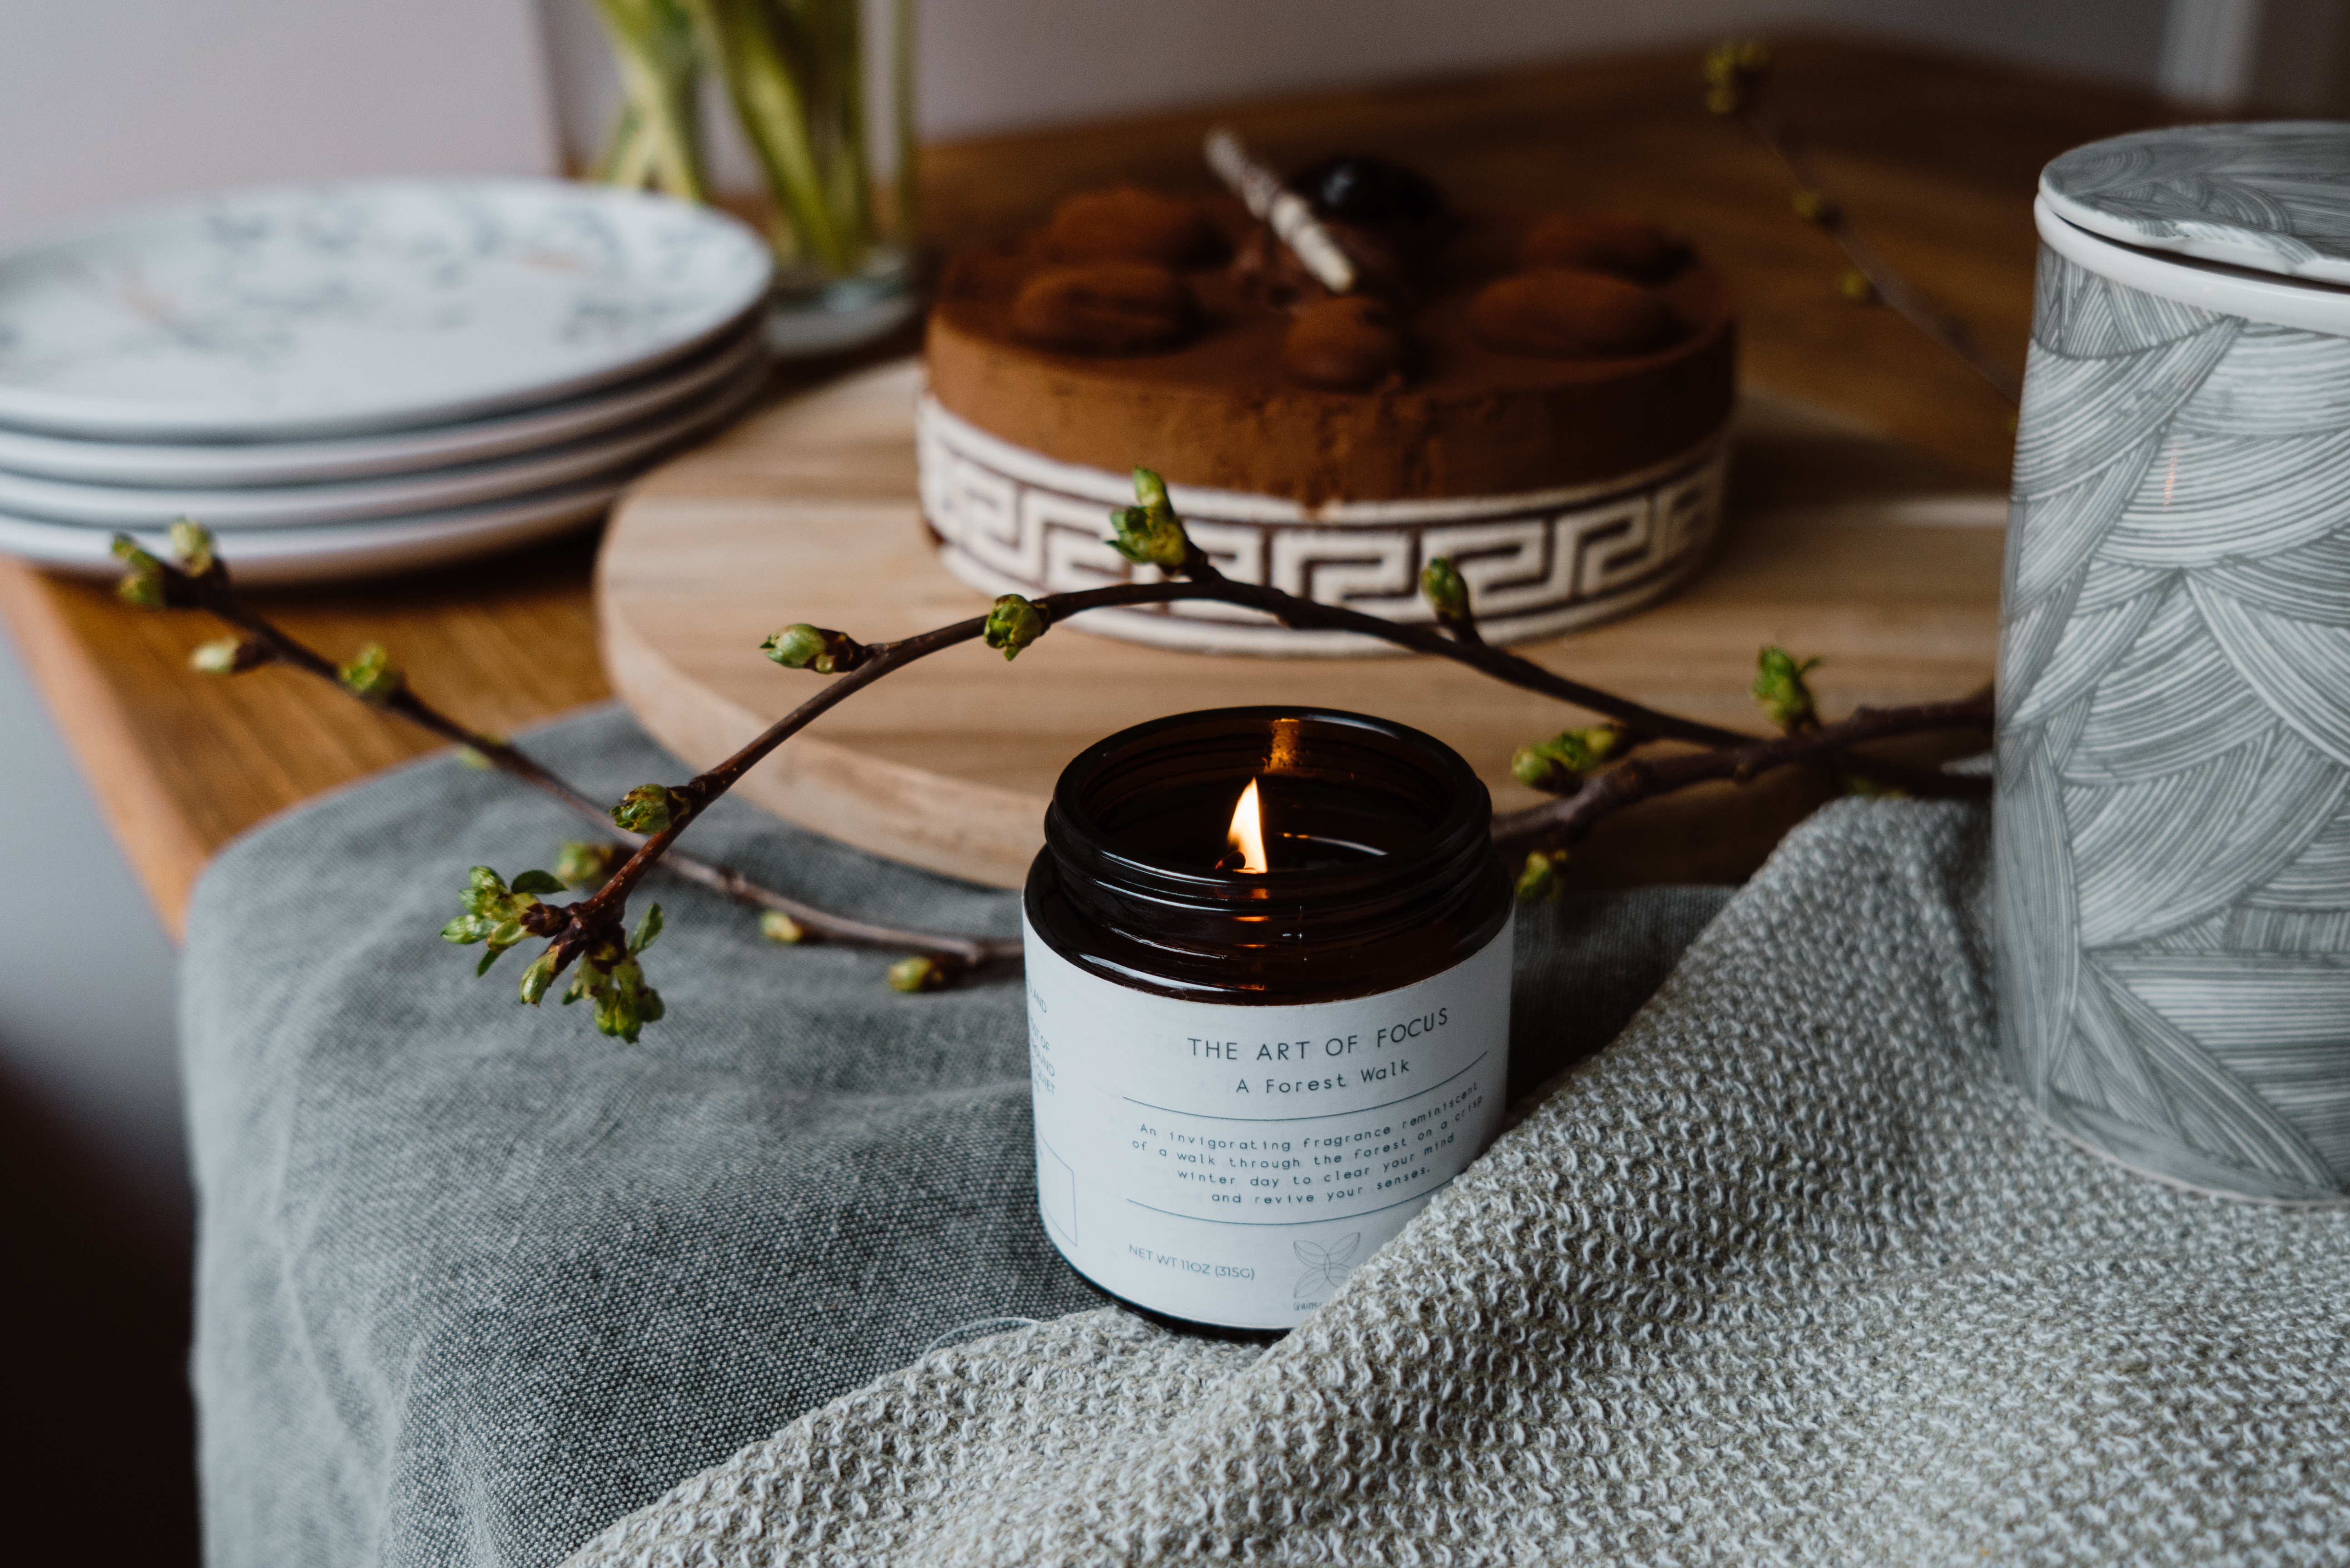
{"x":1836,"y":545}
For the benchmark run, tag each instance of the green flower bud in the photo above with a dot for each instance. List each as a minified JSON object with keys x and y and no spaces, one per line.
{"x":1865,"y":788}
{"x":1854,"y":285}
{"x":614,"y":983}
{"x":649,"y":930}
{"x":804,"y":646}
{"x":1537,"y":769}
{"x":465,"y":929}
{"x":476,"y":759}
{"x":1779,"y":687}
{"x":1150,"y":535}
{"x":912,"y":974}
{"x":778,"y":927}
{"x":142,"y":584}
{"x":649,"y":809}
{"x":1538,"y":882}
{"x":1012,"y":624}
{"x":192,"y":542}
{"x":1441,"y":585}
{"x":580,"y":864}
{"x":1733,"y":70}
{"x":1813,"y":207}
{"x":494,"y":912}
{"x":1560,"y":763}
{"x":227,"y":656}
{"x":371,"y":676}
{"x":538,"y":977}
{"x":625,"y":1006}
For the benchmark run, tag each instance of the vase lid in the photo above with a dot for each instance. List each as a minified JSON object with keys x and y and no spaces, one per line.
{"x":2273,"y":196}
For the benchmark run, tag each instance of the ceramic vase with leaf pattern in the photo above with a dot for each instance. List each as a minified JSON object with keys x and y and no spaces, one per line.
{"x":2173,"y":805}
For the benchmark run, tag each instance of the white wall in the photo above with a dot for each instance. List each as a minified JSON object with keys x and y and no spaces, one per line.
{"x":1002,"y":65}
{"x":105,"y":102}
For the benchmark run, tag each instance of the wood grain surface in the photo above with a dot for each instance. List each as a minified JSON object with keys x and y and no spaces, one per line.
{"x":1838,"y":544}
{"x":1936,"y":157}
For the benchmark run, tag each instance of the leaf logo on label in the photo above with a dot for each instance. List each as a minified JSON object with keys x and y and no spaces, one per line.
{"x":1326,"y":1266}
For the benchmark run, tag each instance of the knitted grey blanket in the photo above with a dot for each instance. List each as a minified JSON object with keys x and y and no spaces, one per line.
{"x":475,"y":1282}
{"x":1786,"y":1275}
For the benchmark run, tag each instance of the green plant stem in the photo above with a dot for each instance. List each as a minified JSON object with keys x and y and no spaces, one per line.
{"x":741,"y":38}
{"x":652,"y":41}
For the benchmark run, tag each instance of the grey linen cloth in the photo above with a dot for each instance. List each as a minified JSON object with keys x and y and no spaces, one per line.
{"x":1786,"y":1275}
{"x":475,"y":1282}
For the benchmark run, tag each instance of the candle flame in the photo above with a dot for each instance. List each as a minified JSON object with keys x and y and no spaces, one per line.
{"x":1247,"y":831}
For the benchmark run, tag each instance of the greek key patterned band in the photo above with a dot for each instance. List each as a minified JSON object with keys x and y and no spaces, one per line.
{"x":1010,"y":520}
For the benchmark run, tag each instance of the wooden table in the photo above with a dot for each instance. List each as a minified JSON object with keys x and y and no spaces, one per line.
{"x":1936,"y":158}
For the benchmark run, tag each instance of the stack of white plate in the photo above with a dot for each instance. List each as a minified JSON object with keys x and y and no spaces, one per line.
{"x":353,"y":378}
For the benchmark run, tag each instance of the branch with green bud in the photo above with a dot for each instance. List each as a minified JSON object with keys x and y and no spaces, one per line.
{"x":1539,"y":880}
{"x":1447,"y":593}
{"x":650,"y":808}
{"x":1592,"y":767}
{"x":371,"y":676}
{"x":1779,"y":687}
{"x":612,"y":981}
{"x":919,"y":973}
{"x":1012,"y":623}
{"x":805,"y":647}
{"x":1737,"y":74}
{"x":228,"y":656}
{"x":1560,"y":764}
{"x":1149,"y":534}
{"x":500,"y":914}
{"x":198,"y":579}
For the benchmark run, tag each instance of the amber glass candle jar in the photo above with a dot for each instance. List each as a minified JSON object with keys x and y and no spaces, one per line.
{"x":1268,"y":970}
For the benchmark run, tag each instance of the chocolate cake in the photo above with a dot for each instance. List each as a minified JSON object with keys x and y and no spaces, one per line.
{"x":1542,"y":397}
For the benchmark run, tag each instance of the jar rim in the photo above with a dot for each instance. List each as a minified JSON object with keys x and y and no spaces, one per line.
{"x":1075,"y":836}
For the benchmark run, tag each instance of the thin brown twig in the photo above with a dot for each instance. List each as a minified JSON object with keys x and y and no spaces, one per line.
{"x":1570,"y":817}
{"x":215,"y":594}
{"x":1736,"y":755}
{"x":1824,"y":212}
{"x":579,"y":928}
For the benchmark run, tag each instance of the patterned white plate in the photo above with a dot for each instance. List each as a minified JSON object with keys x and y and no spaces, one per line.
{"x":282,"y":555}
{"x":340,"y":310}
{"x":437,"y":490}
{"x":2274,"y":197}
{"x":216,"y":463}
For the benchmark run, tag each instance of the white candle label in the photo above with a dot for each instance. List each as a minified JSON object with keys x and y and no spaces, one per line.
{"x":1233,"y":1164}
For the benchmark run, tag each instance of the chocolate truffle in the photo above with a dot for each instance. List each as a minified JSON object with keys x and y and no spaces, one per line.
{"x":1349,"y":344}
{"x":1558,"y":313}
{"x":1129,"y":223}
{"x":1603,"y":242}
{"x":1107,"y":308}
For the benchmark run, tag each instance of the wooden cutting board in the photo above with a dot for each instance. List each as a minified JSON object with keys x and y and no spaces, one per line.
{"x":1876,"y":558}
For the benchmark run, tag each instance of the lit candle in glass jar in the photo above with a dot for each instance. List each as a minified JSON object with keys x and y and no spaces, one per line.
{"x":1268,"y":959}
